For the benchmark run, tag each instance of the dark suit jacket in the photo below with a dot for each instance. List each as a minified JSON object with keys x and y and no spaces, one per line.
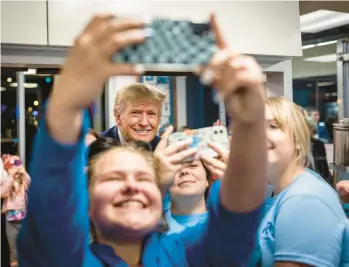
{"x":320,"y":159}
{"x":113,"y":133}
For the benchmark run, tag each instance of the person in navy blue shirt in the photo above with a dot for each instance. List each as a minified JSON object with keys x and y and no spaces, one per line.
{"x":137,"y":113}
{"x":123,"y":199}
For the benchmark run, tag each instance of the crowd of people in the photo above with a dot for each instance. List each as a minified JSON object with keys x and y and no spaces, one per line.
{"x":126,"y":197}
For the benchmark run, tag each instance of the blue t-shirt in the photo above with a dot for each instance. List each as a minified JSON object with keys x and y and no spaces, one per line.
{"x":178,"y":223}
{"x":56,"y":229}
{"x":305,"y":224}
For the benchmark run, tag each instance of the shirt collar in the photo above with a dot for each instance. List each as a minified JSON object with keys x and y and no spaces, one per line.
{"x":121,"y":137}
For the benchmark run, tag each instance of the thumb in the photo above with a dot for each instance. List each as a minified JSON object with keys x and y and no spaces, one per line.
{"x":164,"y":138}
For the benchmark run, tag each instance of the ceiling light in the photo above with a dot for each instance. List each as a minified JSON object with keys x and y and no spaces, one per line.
{"x":9,"y":79}
{"x":322,"y":20}
{"x":308,"y":46}
{"x":323,"y":59}
{"x":323,"y":84}
{"x":319,"y":44}
{"x":26,"y":85}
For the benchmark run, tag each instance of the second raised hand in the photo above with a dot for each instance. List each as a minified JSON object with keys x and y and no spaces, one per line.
{"x":170,"y":157}
{"x":216,"y":166}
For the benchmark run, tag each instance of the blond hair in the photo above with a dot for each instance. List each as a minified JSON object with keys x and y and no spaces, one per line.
{"x":130,"y":147}
{"x":290,"y":118}
{"x":136,"y":91}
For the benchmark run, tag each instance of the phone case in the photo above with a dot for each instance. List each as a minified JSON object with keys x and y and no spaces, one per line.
{"x":201,"y":138}
{"x":172,"y":45}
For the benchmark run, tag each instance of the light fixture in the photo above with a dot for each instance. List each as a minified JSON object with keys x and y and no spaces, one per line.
{"x":30,"y":72}
{"x":321,"y":20}
{"x":2,"y":89}
{"x":319,"y":44}
{"x":30,"y":109}
{"x":26,"y":85}
{"x":36,"y":103}
{"x":324,"y":84}
{"x":9,"y":79}
{"x":322,"y":59}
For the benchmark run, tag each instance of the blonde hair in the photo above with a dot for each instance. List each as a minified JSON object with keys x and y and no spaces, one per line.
{"x":290,"y":117}
{"x":134,"y":92}
{"x":130,"y":147}
{"x":109,"y":146}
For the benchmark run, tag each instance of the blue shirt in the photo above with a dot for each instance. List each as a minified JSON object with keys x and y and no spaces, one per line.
{"x":55,"y":231}
{"x":178,"y":223}
{"x":305,"y":224}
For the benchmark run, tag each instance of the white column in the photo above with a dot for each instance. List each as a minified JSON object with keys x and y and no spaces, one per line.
{"x":181,"y":97}
{"x":113,"y":85}
{"x":21,"y":117}
{"x":279,"y":79}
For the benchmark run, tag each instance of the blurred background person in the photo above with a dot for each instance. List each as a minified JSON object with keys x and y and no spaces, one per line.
{"x":14,"y":192}
{"x":318,"y":150}
{"x":321,"y":130}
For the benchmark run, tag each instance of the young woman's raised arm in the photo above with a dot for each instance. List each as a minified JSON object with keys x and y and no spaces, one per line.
{"x":56,"y":230}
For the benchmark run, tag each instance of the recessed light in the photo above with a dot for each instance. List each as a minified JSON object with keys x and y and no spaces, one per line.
{"x":321,"y":20}
{"x":322,"y":59}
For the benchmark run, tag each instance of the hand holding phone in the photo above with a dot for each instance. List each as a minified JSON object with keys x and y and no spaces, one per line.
{"x":201,"y":138}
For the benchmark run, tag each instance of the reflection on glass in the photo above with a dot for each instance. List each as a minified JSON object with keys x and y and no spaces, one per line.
{"x":37,"y":89}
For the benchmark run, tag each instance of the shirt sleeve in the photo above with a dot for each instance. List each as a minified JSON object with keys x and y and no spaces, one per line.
{"x":308,"y":232}
{"x":227,"y":239}
{"x":56,"y":228}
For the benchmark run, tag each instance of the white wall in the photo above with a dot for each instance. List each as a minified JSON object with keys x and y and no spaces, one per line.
{"x":23,"y":22}
{"x":181,"y":100}
{"x":252,"y":27}
{"x":303,"y":69}
{"x":279,"y":79}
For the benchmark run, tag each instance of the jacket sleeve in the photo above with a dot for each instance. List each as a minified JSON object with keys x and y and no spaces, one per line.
{"x":56,"y":228}
{"x":227,"y":239}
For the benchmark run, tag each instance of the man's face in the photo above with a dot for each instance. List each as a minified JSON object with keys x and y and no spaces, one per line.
{"x":139,"y":120}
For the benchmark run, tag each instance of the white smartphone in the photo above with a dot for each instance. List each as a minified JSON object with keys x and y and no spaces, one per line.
{"x":201,"y":137}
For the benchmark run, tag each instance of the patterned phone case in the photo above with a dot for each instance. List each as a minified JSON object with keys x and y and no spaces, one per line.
{"x":172,"y":45}
{"x":201,"y":137}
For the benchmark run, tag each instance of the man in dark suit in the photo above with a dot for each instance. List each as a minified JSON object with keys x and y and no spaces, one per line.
{"x":320,"y":164}
{"x":137,"y":112}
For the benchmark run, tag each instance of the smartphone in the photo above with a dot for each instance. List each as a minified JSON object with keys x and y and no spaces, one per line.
{"x":201,"y":137}
{"x":172,"y":46}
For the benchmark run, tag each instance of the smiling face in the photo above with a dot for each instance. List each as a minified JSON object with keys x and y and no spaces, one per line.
{"x":190,"y":180}
{"x":139,"y":120}
{"x":288,"y":137}
{"x":125,"y":200}
{"x":280,"y":145}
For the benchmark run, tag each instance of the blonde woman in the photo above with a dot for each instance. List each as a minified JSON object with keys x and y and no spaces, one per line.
{"x":305,"y":224}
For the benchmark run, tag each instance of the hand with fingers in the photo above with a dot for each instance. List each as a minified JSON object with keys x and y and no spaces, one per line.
{"x":343,"y":188}
{"x":89,"y":64}
{"x":170,"y":157}
{"x":216,"y":166}
{"x":86,"y":69}
{"x":238,"y":78}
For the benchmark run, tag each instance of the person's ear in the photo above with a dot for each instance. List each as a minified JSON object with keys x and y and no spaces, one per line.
{"x":117,"y":117}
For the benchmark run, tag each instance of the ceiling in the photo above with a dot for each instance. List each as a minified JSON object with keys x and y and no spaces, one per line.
{"x":306,"y":7}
